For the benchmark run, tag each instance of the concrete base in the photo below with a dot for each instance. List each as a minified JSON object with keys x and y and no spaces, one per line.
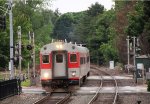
{"x":108,"y":77}
{"x":125,"y":89}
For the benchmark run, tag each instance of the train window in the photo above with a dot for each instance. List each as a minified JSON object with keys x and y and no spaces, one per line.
{"x":59,"y":58}
{"x":88,"y":59}
{"x":81,"y":60}
{"x":45,"y":58}
{"x":73,"y":58}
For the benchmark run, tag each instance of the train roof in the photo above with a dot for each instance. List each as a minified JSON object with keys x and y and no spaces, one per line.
{"x":56,"y":46}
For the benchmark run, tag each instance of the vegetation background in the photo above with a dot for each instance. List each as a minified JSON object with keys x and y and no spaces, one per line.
{"x":104,"y":32}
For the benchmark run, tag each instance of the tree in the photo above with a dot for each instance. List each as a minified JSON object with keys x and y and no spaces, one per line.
{"x":31,"y":16}
{"x":95,"y":9}
{"x":4,"y":40}
{"x":139,"y":25}
{"x":63,"y":27}
{"x":122,"y":9}
{"x":87,"y":25}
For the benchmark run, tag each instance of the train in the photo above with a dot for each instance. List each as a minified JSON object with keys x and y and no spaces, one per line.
{"x":63,"y":64}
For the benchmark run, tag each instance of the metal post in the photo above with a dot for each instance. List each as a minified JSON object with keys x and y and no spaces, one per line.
{"x":33,"y":53}
{"x":134,"y":54}
{"x":128,"y":52}
{"x":19,"y":41}
{"x":28,"y":71}
{"x":29,"y":38}
{"x":97,"y":59}
{"x":11,"y":40}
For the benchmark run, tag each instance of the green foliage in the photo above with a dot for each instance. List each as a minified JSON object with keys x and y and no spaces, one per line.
{"x":95,"y":9}
{"x":148,"y":85}
{"x":26,"y":83}
{"x":31,"y":17}
{"x":147,"y":19}
{"x":136,"y":21}
{"x":109,"y":52}
{"x":95,"y":27}
{"x":104,"y":38}
{"x":92,"y":27}
{"x":87,"y":25}
{"x":63,"y":27}
{"x":4,"y":41}
{"x":139,"y":25}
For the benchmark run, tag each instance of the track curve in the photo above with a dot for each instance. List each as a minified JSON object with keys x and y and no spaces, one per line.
{"x":100,"y":87}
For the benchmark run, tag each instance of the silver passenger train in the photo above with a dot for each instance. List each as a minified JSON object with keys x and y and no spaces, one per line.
{"x":62,"y":64}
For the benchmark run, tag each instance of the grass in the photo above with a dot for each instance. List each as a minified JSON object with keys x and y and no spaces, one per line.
{"x":1,"y":76}
{"x":6,"y":74}
{"x":26,"y":83}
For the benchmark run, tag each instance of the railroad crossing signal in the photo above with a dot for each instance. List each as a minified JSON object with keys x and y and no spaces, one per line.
{"x":17,"y":50}
{"x":29,"y":47}
{"x":16,"y":57}
{"x":2,"y":22}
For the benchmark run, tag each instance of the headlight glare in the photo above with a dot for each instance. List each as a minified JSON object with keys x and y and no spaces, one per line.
{"x":46,"y":75}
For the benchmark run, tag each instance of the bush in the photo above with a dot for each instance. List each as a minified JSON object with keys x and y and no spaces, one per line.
{"x":148,"y":85}
{"x":26,"y":83}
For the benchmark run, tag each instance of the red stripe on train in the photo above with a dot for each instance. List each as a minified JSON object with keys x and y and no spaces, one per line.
{"x":76,"y":78}
{"x":46,"y":79}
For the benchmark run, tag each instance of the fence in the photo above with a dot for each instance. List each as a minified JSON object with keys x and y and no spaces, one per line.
{"x":10,"y":88}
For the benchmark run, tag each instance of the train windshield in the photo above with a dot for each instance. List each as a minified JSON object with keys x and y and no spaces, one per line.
{"x":59,"y":58}
{"x":45,"y":58}
{"x":73,"y":58}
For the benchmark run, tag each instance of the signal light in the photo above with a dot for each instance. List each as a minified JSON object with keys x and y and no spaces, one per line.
{"x":2,"y":22}
{"x":29,"y":47}
{"x":17,"y":50}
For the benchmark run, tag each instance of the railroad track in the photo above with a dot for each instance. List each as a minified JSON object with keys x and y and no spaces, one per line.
{"x":55,"y":98}
{"x":101,"y":85}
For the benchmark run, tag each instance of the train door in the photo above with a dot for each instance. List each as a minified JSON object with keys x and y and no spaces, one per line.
{"x":60,"y":64}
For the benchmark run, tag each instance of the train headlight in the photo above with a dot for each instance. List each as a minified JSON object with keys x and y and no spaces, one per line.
{"x":46,"y":75}
{"x":59,"y":46}
{"x":73,"y":73}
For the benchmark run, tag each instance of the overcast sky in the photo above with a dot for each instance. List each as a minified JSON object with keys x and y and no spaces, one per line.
{"x":78,"y":5}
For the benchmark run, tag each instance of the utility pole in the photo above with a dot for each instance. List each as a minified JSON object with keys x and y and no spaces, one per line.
{"x":29,"y":35}
{"x":33,"y":54}
{"x":31,"y":40}
{"x":19,"y":41}
{"x":134,"y":54}
{"x":11,"y":40}
{"x":28,"y":71}
{"x":128,"y":52}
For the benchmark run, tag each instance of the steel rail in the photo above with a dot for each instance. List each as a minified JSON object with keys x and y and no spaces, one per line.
{"x":40,"y":101}
{"x":64,"y":99}
{"x":97,"y":92}
{"x":116,"y":85}
{"x":116,"y":90}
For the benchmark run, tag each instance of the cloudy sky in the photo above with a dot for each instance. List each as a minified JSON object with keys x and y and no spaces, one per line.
{"x":78,"y":5}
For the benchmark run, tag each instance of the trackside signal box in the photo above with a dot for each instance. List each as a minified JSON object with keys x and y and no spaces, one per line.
{"x":143,"y":66}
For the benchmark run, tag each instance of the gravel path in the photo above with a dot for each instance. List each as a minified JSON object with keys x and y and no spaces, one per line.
{"x":127,"y":98}
{"x":22,"y":99}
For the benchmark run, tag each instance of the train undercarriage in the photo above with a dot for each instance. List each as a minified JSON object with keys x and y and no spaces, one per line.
{"x":59,"y":83}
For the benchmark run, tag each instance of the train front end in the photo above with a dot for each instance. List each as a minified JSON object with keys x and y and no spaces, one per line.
{"x":53,"y":65}
{"x":63,"y":64}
